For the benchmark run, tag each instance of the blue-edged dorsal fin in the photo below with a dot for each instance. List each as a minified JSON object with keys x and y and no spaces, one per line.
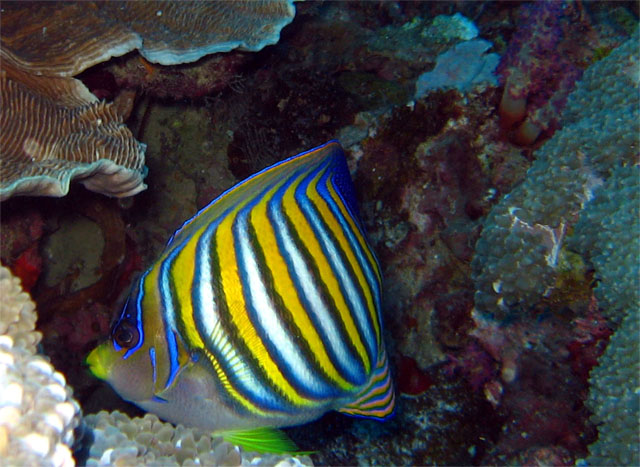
{"x":263,"y":440}
{"x":306,"y":162}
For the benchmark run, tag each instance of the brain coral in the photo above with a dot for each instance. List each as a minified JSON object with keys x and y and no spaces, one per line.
{"x":517,"y":255}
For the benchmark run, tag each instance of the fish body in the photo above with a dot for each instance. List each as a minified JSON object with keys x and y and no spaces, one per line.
{"x":263,"y":309}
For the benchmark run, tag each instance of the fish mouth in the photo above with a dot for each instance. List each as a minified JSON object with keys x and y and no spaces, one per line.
{"x":96,"y":361}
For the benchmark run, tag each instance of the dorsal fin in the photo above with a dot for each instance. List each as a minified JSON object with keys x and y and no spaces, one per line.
{"x":259,"y":181}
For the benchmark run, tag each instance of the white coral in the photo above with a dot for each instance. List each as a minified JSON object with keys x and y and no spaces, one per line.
{"x":37,"y":412}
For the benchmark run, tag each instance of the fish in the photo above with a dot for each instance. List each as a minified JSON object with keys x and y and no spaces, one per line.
{"x":263,"y":310}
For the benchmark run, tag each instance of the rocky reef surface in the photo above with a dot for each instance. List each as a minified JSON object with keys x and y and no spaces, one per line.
{"x":504,"y":215}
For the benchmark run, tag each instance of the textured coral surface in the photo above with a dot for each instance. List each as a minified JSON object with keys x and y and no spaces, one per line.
{"x":492,"y":341}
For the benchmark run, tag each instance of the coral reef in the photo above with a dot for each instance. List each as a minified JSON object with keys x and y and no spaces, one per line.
{"x":461,"y":67}
{"x":609,"y":234}
{"x":38,"y":414}
{"x":427,"y":173}
{"x":519,"y":254}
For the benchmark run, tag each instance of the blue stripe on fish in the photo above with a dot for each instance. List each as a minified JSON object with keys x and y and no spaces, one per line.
{"x":345,"y":270}
{"x":324,"y":319}
{"x":337,"y":265}
{"x":168,"y":316}
{"x":267,"y":321}
{"x":263,"y":310}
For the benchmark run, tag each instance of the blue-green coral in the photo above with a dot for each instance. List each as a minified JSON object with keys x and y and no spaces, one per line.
{"x":517,"y":256}
{"x":585,"y":178}
{"x":608,"y":233}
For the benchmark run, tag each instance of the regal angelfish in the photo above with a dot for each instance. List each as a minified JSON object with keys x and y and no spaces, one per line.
{"x":263,"y":309}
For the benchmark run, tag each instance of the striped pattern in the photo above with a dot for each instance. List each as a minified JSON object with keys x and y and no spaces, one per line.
{"x":275,"y":285}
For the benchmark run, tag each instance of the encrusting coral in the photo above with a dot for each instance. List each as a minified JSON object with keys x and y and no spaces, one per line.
{"x":585,"y":181}
{"x":518,"y":255}
{"x":38,"y":415}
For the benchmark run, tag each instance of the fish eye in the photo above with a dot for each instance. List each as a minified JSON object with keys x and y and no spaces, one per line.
{"x":125,"y":335}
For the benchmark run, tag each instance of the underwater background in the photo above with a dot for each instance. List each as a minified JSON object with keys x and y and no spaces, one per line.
{"x":494,"y":152}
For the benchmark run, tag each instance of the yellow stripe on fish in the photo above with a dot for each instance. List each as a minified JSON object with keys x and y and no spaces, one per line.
{"x":263,"y":310}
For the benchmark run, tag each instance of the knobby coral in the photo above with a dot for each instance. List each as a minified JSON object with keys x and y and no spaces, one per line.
{"x":519,"y":253}
{"x":39,"y":417}
{"x":38,"y":414}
